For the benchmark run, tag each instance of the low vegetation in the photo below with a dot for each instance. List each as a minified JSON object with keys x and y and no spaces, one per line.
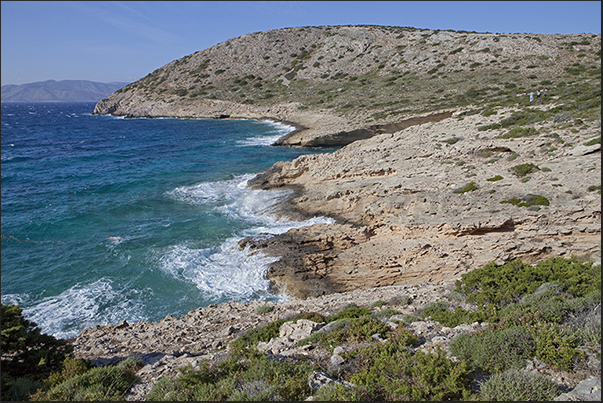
{"x":549,"y":312}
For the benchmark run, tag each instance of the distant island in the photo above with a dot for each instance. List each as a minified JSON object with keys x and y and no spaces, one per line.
{"x":59,"y":91}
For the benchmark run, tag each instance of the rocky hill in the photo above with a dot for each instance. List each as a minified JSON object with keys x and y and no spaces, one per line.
{"x":347,"y":78}
{"x":446,"y":164}
{"x":59,"y":91}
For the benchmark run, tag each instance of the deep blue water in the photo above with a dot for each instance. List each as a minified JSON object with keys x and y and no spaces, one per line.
{"x":105,"y":218}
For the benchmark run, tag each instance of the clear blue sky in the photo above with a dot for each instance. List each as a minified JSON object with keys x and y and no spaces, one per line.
{"x":125,"y":40}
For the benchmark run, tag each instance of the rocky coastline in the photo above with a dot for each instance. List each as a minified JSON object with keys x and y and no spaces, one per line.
{"x":427,"y":184}
{"x":402,"y":228}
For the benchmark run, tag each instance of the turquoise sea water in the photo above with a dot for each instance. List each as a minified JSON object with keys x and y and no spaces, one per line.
{"x":105,"y":218}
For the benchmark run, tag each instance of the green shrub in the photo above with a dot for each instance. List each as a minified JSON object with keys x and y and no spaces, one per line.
{"x":258,"y":378}
{"x":21,"y":389}
{"x":489,"y":127}
{"x":508,"y":283}
{"x":547,"y":304}
{"x":592,"y":142}
{"x":359,"y":329}
{"x":522,"y":170}
{"x":439,"y":312}
{"x":335,"y":392}
{"x":585,"y":317}
{"x":349,"y":311}
{"x":495,"y":351}
{"x":247,"y":342}
{"x":70,"y":369}
{"x":489,"y":112}
{"x":518,"y":132}
{"x":523,"y":118}
{"x":557,"y":345}
{"x":451,"y":140}
{"x":389,"y":371}
{"x":471,"y":186}
{"x":527,"y":201}
{"x":386,"y":313}
{"x":264,"y":308}
{"x":313,"y":316}
{"x":26,"y":352}
{"x":513,"y":385}
{"x":96,"y":384}
{"x":494,"y":178}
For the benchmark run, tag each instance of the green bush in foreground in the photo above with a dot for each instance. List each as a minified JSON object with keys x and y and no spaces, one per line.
{"x":549,"y":311}
{"x":513,"y":385}
{"x":28,"y":356}
{"x":508,"y":283}
{"x":389,"y":371}
{"x":495,"y":351}
{"x":257,"y":378}
{"x":97,"y":384}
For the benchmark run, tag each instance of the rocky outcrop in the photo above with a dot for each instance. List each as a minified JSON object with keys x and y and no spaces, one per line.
{"x":432,"y":202}
{"x":343,"y":137}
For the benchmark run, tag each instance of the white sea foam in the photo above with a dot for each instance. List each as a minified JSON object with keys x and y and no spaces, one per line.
{"x":212,"y":192}
{"x":229,"y":271}
{"x":226,"y":272}
{"x":81,"y":306}
{"x":280,"y":130}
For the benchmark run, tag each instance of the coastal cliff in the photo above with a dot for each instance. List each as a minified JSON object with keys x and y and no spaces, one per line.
{"x":447,"y":163}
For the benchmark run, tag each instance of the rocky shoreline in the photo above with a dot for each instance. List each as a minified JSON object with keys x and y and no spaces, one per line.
{"x":425,"y":187}
{"x":403,"y":215}
{"x":402,"y":229}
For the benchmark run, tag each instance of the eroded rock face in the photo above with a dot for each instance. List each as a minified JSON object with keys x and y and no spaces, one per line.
{"x":426,"y":203}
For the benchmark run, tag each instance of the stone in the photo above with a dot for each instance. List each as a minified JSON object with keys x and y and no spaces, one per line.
{"x":337,"y":360}
{"x":316,"y":380}
{"x":587,"y":390}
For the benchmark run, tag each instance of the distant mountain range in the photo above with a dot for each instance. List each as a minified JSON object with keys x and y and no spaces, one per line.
{"x":59,"y":91}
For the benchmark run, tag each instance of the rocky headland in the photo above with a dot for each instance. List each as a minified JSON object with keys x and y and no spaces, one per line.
{"x":445,"y":165}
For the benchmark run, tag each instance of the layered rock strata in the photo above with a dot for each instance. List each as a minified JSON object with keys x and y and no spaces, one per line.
{"x":431,"y":202}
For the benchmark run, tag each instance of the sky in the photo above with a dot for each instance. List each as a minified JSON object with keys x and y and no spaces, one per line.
{"x":123,"y":41}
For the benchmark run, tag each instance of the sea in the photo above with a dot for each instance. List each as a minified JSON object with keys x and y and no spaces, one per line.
{"x":107,"y":219}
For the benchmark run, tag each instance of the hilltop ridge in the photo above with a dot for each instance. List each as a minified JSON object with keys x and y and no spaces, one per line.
{"x":341,"y":79}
